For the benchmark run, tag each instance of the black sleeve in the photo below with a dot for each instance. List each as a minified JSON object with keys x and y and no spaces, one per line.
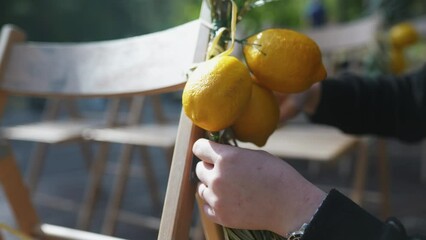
{"x":339,"y":218}
{"x":386,"y":106}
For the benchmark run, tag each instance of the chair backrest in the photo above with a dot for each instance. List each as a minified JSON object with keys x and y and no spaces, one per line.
{"x":420,"y":25}
{"x":152,"y":63}
{"x":145,"y":65}
{"x":346,"y":36}
{"x":346,"y":42}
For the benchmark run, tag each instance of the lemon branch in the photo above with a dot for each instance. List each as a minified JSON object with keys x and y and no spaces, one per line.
{"x":223,"y":31}
{"x":227,"y":30}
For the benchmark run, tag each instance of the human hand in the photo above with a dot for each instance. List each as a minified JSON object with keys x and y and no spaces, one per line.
{"x":293,"y":104}
{"x":249,"y":189}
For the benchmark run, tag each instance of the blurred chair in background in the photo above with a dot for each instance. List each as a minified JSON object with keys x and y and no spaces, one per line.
{"x":27,"y":220}
{"x":133,"y":67}
{"x":51,"y":129}
{"x":133,"y":135}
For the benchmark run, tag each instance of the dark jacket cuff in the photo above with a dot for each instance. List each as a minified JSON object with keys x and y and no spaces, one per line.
{"x":340,"y":218}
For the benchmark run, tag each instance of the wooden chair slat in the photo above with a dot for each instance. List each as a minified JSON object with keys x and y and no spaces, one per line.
{"x":9,"y":35}
{"x":346,"y":36}
{"x":16,"y":191}
{"x":148,"y":134}
{"x":49,"y":231}
{"x":151,"y":62}
{"x":49,"y":131}
{"x":309,"y":142}
{"x":178,"y":207}
{"x":179,"y":202}
{"x":420,"y":25}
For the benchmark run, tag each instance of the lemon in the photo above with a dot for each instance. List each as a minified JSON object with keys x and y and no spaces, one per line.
{"x":284,"y":60}
{"x":217,"y":92}
{"x":260,"y":118}
{"x":403,"y":35}
{"x":397,"y":61}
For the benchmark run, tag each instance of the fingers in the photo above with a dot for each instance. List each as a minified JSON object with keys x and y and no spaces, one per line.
{"x":202,"y":149}
{"x":210,"y":153}
{"x":200,"y":190}
{"x":204,"y":172}
{"x":291,"y":106}
{"x":207,"y":195}
{"x":206,"y":150}
{"x":209,"y":211}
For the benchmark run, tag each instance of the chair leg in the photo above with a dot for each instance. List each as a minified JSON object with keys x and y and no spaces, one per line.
{"x":210,"y":229}
{"x":360,"y":173}
{"x":17,"y":192}
{"x":384,"y":179}
{"x":97,"y":171}
{"x":197,"y":232}
{"x":86,"y":152}
{"x":113,"y":208}
{"x":344,"y":166}
{"x":314,"y":168}
{"x":35,"y":166}
{"x":151,"y":179}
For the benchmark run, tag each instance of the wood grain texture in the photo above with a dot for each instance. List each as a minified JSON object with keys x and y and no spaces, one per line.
{"x":125,"y":66}
{"x":179,"y":202}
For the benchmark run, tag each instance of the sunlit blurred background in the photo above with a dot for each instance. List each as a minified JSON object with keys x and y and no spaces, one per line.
{"x":95,"y":20}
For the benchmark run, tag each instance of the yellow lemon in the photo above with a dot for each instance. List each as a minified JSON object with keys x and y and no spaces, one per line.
{"x":397,"y":61}
{"x":217,"y":92}
{"x":402,"y":35}
{"x":260,"y":118}
{"x":284,"y":60}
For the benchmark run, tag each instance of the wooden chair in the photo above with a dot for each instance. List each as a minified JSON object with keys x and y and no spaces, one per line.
{"x":46,"y":132}
{"x":159,"y":134}
{"x":51,"y":128}
{"x":147,"y":65}
{"x":27,"y":221}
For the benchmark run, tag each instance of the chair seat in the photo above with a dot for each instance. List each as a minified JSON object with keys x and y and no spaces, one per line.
{"x":159,"y":135}
{"x":49,"y":131}
{"x":59,"y":232}
{"x":303,"y":141}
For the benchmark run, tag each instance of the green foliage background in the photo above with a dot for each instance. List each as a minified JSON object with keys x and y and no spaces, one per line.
{"x":90,"y":20}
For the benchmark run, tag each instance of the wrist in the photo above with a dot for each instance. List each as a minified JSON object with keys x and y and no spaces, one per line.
{"x":304,"y":210}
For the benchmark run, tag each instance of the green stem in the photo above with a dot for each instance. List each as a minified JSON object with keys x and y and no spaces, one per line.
{"x":214,"y":136}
